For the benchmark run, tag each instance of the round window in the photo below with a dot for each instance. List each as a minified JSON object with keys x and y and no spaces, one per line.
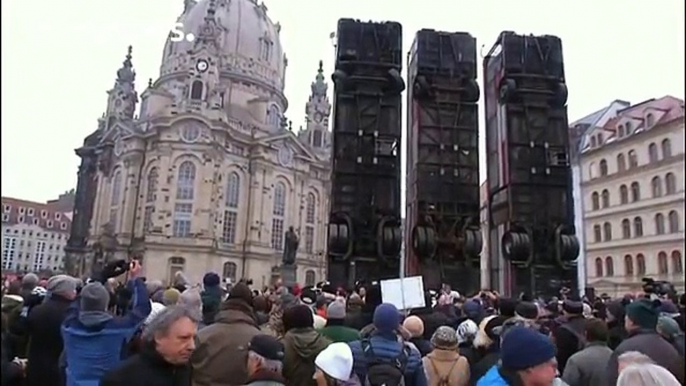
{"x":190,"y":133}
{"x":285,"y":156}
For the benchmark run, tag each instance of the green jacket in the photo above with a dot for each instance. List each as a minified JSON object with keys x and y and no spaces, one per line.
{"x":301,"y":347}
{"x":340,"y":334}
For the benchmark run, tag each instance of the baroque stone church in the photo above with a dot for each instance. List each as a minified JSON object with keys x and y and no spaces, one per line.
{"x":208,"y":176}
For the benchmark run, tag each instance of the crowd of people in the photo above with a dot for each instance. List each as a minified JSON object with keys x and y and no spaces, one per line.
{"x":117,"y":329}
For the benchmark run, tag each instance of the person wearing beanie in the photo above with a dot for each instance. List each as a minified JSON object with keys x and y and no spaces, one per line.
{"x":614,"y":316}
{"x":569,"y":336}
{"x":221,"y":353}
{"x":527,"y":358}
{"x":640,"y":323}
{"x":670,"y":331}
{"x":191,"y":299}
{"x":265,"y":361}
{"x":43,"y":325}
{"x":335,"y":329}
{"x":28,"y":283}
{"x":302,"y":343}
{"x":527,"y":310}
{"x":211,"y":297}
{"x":466,"y":333}
{"x":384,"y":345}
{"x":445,"y":363}
{"x":94,"y":338}
{"x":415,"y":327}
{"x":334,"y":366}
{"x":170,"y":297}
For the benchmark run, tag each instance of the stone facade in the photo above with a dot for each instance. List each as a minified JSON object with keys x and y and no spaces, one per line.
{"x":209,"y":176}
{"x":632,"y":193}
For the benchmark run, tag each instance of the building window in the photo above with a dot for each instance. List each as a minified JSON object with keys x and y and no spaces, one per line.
{"x":620,"y":131}
{"x":152,"y":185}
{"x":63,"y":225}
{"x":5,"y":217}
{"x":595,"y":201}
{"x":115,"y":197}
{"x":662,"y":264}
{"x":233,"y":190}
{"x":6,"y":208}
{"x":22,"y":210}
{"x":318,"y":138}
{"x":638,"y":227}
{"x":273,"y":117}
{"x":629,"y":128}
{"x":607,"y":230}
{"x":20,"y":219}
{"x":666,"y":148}
{"x":196,"y":90}
{"x":641,"y":264}
{"x":229,"y":271}
{"x":606,"y":199}
{"x":652,"y":152}
{"x":175,"y":265}
{"x":147,"y":218}
{"x":279,"y":212}
{"x":609,"y":266}
{"x":656,"y":185}
{"x":621,"y":163}
{"x":183,"y":213}
{"x":633,"y":159}
{"x":660,"y":224}
{"x":310,"y":216}
{"x":186,"y":181}
{"x":266,"y":48}
{"x":677,"y":265}
{"x":623,"y":194}
{"x":36,"y":221}
{"x":49,"y":224}
{"x":626,"y":229}
{"x":603,"y":168}
{"x":591,"y":170}
{"x":309,"y":277}
{"x":599,"y":267}
{"x":39,"y":256}
{"x":9,"y":250}
{"x":650,"y":120}
{"x":628,"y":265}
{"x":309,"y":239}
{"x":597,"y":235}
{"x":229,"y":227}
{"x":673,"y":222}
{"x":31,"y":212}
{"x":670,"y":183}
{"x":594,"y":142}
{"x":44,"y":214}
{"x":635,"y":192}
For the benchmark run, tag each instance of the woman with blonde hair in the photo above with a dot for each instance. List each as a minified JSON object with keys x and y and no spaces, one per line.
{"x":646,"y":374}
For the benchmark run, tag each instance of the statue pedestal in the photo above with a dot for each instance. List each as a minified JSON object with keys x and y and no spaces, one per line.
{"x":289,"y":274}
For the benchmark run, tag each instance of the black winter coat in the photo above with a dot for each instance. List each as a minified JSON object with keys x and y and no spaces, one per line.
{"x":11,"y":372}
{"x":44,"y":329}
{"x":148,"y":369}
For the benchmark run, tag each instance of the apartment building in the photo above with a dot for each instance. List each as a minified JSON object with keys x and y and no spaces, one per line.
{"x":631,"y":173}
{"x":34,"y":234}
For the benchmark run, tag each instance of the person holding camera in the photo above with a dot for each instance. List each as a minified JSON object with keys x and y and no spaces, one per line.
{"x":93,"y":337}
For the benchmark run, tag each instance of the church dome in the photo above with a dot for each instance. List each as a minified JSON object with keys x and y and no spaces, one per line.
{"x":246,"y":41}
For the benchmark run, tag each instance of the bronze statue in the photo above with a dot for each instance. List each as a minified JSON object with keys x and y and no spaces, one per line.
{"x":290,"y":247}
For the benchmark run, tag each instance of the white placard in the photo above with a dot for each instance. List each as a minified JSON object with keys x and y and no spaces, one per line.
{"x":406,"y":293}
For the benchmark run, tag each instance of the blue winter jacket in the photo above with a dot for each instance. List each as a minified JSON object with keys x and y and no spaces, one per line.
{"x":387,"y":347}
{"x":94,"y":341}
{"x":492,"y":378}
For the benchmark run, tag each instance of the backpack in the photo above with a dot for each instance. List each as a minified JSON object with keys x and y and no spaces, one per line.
{"x":384,"y":372}
{"x":444,"y":380}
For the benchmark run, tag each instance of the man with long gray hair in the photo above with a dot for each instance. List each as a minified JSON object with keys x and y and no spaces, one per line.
{"x":169,"y":342}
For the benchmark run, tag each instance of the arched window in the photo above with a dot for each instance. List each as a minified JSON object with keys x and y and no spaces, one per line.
{"x":115,"y":198}
{"x":659,"y":224}
{"x":592,"y":171}
{"x":633,"y":159}
{"x":652,"y":152}
{"x":229,"y":271}
{"x":629,"y":128}
{"x":666,"y":148}
{"x":174,"y":265}
{"x":670,"y":183}
{"x":278,"y":212}
{"x":662,"y":265}
{"x":623,"y":194}
{"x":150,"y":197}
{"x":677,"y":265}
{"x":309,"y":277}
{"x":233,"y":192}
{"x":273,"y":117}
{"x":606,"y":199}
{"x":673,"y":221}
{"x":638,"y":227}
{"x":626,"y":229}
{"x":635,"y":192}
{"x":185,"y":191}
{"x":595,"y":201}
{"x":310,"y":215}
{"x":599,"y":267}
{"x":641,"y":264}
{"x":621,"y":163}
{"x":196,"y":90}
{"x":628,"y":265}
{"x":597,"y":236}
{"x":620,"y":131}
{"x":609,"y":266}
{"x":603,"y":168}
{"x":594,"y":142}
{"x":650,"y":120}
{"x":607,"y":230}
{"x":656,"y":185}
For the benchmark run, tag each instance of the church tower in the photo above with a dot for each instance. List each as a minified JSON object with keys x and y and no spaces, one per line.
{"x":318,"y":109}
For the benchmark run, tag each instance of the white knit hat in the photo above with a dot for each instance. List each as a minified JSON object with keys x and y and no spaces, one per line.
{"x":155,"y":309}
{"x":336,"y":361}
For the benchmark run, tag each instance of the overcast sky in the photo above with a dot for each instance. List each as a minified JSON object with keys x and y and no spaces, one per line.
{"x":59,"y":58}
